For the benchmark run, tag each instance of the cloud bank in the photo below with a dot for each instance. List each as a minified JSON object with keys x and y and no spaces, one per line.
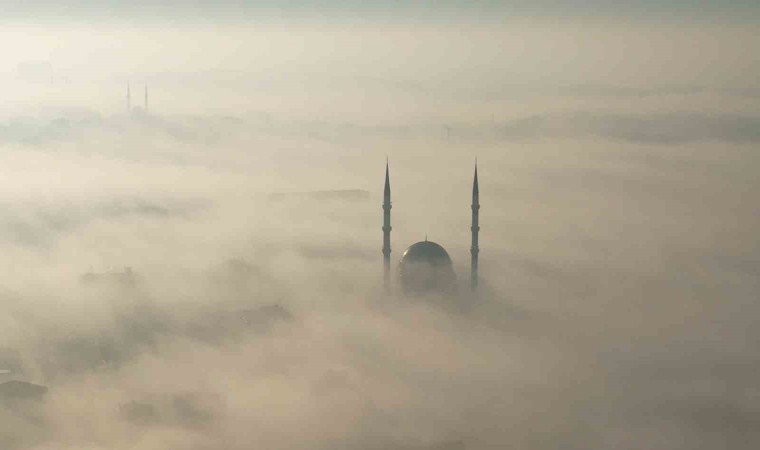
{"x":204,"y":277}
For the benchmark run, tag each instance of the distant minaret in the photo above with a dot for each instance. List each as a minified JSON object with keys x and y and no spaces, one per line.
{"x":146,"y":97}
{"x":387,"y":230}
{"x":129,"y":99}
{"x":474,"y":250}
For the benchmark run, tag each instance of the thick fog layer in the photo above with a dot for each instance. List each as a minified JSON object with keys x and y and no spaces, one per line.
{"x":206,"y":272}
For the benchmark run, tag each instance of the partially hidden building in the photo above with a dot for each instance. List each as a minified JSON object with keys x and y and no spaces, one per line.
{"x":426,"y":267}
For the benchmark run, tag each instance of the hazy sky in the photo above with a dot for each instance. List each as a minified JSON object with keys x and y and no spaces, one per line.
{"x":277,"y":63}
{"x":183,"y":8}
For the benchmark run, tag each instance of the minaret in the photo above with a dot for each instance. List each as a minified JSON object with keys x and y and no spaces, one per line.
{"x":129,"y":99}
{"x":146,"y":97}
{"x":474,"y":250}
{"x":387,"y":230}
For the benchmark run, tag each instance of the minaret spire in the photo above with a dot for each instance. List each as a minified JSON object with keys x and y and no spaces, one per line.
{"x":387,"y":230}
{"x":474,"y":250}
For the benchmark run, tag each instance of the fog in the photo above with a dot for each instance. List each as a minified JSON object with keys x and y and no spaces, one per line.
{"x":207,"y":274}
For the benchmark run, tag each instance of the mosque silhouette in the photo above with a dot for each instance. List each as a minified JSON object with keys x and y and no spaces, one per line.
{"x":426,"y":267}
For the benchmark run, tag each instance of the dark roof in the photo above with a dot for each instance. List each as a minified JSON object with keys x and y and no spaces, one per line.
{"x":21,"y":390}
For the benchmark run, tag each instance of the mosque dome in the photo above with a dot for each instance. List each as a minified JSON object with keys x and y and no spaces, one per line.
{"x":426,"y":267}
{"x":426,"y":251}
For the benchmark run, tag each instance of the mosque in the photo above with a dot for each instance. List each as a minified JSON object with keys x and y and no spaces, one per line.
{"x":426,"y":267}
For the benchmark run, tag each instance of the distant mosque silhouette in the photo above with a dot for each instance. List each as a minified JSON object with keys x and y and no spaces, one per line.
{"x":130,"y":108}
{"x":425,"y":267}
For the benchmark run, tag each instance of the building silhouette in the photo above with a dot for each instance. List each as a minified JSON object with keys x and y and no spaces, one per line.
{"x":136,"y":109}
{"x":426,"y":266}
